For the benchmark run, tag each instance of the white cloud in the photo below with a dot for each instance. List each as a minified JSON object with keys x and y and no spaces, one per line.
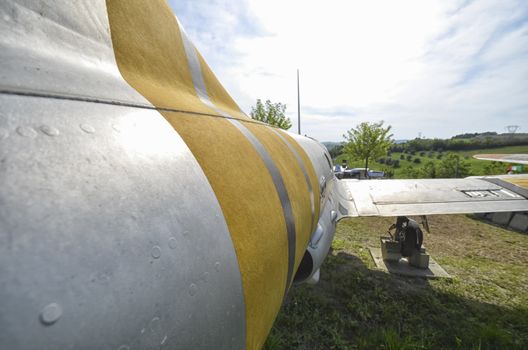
{"x":436,"y":67}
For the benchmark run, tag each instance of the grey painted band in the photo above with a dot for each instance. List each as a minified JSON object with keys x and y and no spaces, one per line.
{"x":194,"y":65}
{"x":199,"y":84}
{"x":281,"y":191}
{"x":507,"y":185}
{"x":305,"y":173}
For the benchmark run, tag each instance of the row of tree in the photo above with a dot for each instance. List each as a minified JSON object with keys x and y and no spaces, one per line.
{"x":367,"y":141}
{"x":453,"y":165}
{"x":373,"y":141}
{"x":460,"y":144}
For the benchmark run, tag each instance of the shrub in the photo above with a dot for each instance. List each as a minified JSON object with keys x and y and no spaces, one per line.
{"x":428,"y":170}
{"x":389,"y":173}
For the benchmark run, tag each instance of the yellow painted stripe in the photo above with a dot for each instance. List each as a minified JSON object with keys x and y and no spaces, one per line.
{"x":521,"y":181}
{"x":217,"y":94}
{"x":296,"y":186}
{"x":297,"y":193}
{"x":252,"y":210}
{"x":151,"y":57}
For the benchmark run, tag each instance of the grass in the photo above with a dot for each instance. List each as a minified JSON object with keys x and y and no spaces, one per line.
{"x":477,"y":166}
{"x":356,"y":306}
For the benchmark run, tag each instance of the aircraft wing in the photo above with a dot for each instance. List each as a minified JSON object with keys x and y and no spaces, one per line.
{"x":505,"y":158}
{"x":432,"y":196}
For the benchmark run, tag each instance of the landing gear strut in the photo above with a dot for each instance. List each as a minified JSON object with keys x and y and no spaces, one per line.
{"x":406,"y":239}
{"x":408,"y":233}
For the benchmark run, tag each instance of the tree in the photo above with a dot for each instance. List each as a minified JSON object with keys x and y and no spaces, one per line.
{"x":410,"y":172}
{"x":453,"y":166}
{"x":495,"y":168}
{"x":336,"y":151}
{"x":428,"y":170}
{"x":389,"y":173}
{"x":271,"y":113}
{"x":367,"y":141}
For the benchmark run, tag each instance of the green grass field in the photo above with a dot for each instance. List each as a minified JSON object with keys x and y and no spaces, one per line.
{"x":356,"y":306}
{"x":477,"y":166}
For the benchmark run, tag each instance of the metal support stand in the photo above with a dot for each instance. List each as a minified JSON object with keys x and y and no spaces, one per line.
{"x":402,"y":252}
{"x":405,"y":242}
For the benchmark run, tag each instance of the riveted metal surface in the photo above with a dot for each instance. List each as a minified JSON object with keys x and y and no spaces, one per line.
{"x":110,"y":235}
{"x":60,"y":48}
{"x":326,"y":227}
{"x":317,"y":152}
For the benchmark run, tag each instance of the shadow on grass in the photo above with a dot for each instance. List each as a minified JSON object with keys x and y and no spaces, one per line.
{"x":354,"y":307}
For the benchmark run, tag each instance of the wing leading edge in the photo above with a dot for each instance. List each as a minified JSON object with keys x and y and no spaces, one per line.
{"x":432,"y":196}
{"x":505,"y":158}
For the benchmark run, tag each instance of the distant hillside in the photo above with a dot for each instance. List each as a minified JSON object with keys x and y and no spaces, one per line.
{"x":463,"y":142}
{"x":420,"y":164}
{"x":487,"y":134}
{"x":330,"y":144}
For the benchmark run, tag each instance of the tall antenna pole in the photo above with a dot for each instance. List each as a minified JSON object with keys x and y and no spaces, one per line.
{"x":298,"y":105}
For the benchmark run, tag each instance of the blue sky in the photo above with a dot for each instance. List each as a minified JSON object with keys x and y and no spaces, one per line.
{"x":438,"y":68}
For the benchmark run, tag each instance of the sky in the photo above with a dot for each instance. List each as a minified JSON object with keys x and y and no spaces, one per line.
{"x":434,"y":68}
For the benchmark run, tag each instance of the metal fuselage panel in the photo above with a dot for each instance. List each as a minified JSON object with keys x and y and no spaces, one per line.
{"x":139,"y":206}
{"x":60,"y":48}
{"x":111,"y":235}
{"x":257,"y":179}
{"x":106,"y":213}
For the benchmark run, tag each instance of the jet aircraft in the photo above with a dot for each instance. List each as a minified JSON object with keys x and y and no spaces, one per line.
{"x":141,"y":208}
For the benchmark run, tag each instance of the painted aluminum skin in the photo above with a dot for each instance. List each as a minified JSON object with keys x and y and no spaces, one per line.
{"x":60,"y":48}
{"x":429,"y":197}
{"x":116,"y":232}
{"x":111,"y":236}
{"x":107,"y":214}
